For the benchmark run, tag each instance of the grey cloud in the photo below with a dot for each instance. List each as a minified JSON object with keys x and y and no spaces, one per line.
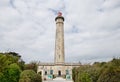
{"x":91,"y":28}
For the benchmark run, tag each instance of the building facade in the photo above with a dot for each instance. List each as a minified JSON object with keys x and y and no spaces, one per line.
{"x":59,"y":67}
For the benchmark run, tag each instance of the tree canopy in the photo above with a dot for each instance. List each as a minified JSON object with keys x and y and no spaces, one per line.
{"x":29,"y":76}
{"x":10,"y":67}
{"x":13,"y":69}
{"x":98,"y":72}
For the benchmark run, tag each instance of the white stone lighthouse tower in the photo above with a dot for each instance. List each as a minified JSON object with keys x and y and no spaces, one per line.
{"x":59,"y":67}
{"x":59,"y":41}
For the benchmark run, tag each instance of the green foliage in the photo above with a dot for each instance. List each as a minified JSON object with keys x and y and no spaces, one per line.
{"x":30,"y":76}
{"x":10,"y":67}
{"x":31,"y":66}
{"x":21,"y":63}
{"x":73,"y":74}
{"x":25,"y":80}
{"x":98,"y":72}
{"x":12,"y":73}
{"x":37,"y":78}
{"x":85,"y":77}
{"x":110,"y":72}
{"x":27,"y":74}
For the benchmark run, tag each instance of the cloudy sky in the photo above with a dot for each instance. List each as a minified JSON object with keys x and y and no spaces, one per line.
{"x":92,"y":29}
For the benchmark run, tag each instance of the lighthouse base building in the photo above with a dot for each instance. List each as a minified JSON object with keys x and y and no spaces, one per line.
{"x":59,"y":68}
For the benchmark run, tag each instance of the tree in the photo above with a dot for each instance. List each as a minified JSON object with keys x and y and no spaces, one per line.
{"x":3,"y":62}
{"x":31,"y":66}
{"x":10,"y":67}
{"x":30,"y":76}
{"x":98,"y":72}
{"x":27,"y":74}
{"x":17,"y":59}
{"x":38,"y":78}
{"x":110,"y":72}
{"x":12,"y":73}
{"x":75,"y":74}
{"x":85,"y":77}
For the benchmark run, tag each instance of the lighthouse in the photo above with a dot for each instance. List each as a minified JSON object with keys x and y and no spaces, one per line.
{"x":59,"y":40}
{"x":59,"y":67}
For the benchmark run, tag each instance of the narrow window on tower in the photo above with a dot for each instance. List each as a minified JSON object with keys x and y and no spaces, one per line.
{"x":59,"y":56}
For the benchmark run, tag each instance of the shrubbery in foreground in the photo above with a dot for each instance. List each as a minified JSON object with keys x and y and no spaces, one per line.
{"x":98,"y":72}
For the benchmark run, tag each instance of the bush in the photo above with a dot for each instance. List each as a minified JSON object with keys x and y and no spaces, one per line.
{"x":30,"y":76}
{"x":110,"y":74}
{"x":98,"y":72}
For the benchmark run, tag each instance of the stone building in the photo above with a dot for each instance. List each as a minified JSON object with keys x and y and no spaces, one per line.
{"x":59,"y":67}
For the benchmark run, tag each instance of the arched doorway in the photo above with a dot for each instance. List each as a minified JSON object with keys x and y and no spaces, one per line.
{"x":45,"y":72}
{"x":59,"y":73}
